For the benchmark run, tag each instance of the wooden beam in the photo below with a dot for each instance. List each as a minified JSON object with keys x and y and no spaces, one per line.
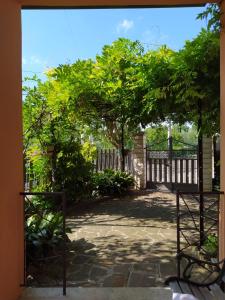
{"x":110,"y":3}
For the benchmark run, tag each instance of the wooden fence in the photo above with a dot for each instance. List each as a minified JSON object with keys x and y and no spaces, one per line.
{"x":110,"y":159}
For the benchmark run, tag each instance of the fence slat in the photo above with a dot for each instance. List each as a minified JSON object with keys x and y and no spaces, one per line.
{"x":160,"y":170}
{"x":181,"y":171}
{"x":109,"y":159}
{"x":150,"y":169}
{"x":155,"y":170}
{"x":97,"y":161}
{"x":105,"y":159}
{"x":176,"y":170}
{"x":172,"y":168}
{"x":113,"y":159}
{"x":192,"y":171}
{"x":187,"y":171}
{"x":165,"y":170}
{"x":101,"y":160}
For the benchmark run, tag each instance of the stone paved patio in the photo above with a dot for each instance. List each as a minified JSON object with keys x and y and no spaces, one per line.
{"x":124,"y":242}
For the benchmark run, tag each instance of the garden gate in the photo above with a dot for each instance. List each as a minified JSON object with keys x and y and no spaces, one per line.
{"x":177,"y":169}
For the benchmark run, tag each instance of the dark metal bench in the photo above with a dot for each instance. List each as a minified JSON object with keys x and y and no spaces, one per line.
{"x":208,"y":278}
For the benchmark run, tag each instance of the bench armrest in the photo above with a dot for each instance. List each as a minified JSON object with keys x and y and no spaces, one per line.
{"x":196,"y":260}
{"x":201,"y":272}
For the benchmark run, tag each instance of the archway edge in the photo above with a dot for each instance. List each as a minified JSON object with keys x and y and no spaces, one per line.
{"x":110,"y":3}
{"x":11,"y":150}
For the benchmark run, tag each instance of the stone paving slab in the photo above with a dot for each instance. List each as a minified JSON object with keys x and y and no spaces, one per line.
{"x":127,"y":242}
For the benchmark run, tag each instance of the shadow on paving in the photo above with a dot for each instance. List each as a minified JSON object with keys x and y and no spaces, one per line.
{"x":123,"y":242}
{"x":161,"y":207}
{"x":129,"y":241}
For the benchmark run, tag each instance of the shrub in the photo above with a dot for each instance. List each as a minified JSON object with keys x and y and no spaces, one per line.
{"x":44,"y":228}
{"x":210,"y":245}
{"x":43,"y":234}
{"x":110,"y":182}
{"x":68,"y":168}
{"x":73,"y":172}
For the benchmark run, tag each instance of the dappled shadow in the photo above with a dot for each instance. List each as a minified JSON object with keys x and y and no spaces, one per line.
{"x":158,"y":206}
{"x":112,"y":250}
{"x":129,"y":241}
{"x":132,"y":263}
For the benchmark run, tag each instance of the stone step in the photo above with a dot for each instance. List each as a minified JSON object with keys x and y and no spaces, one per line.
{"x":123,"y":293}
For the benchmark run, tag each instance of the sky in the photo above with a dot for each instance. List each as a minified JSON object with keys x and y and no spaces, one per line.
{"x":53,"y":37}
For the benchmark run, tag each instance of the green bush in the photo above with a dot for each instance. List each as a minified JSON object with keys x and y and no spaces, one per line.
{"x":210,"y":245}
{"x":69,"y":168}
{"x":110,"y":182}
{"x":44,"y":228}
{"x":72,"y":172}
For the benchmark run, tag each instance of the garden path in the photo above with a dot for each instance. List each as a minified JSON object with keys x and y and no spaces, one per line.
{"x":129,"y":241}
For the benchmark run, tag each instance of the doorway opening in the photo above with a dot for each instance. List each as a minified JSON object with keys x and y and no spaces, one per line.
{"x":125,"y":240}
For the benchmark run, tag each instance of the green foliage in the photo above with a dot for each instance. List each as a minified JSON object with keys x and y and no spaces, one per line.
{"x":107,"y":101}
{"x":157,"y":136}
{"x":108,"y":92}
{"x":157,"y":70}
{"x":212,"y":15}
{"x":42,"y":235}
{"x":44,"y":227}
{"x":88,"y":151}
{"x":111,"y":182}
{"x":52,"y":141}
{"x":211,"y":245}
{"x":72,"y":171}
{"x":196,"y":77}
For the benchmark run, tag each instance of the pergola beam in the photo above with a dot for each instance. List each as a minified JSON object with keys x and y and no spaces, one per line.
{"x":113,"y":3}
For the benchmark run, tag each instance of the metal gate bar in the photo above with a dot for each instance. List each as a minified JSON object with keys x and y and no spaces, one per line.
{"x":194,"y":225}
{"x":62,"y":207}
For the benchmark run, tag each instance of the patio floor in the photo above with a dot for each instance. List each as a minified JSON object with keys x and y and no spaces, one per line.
{"x":98,"y":294}
{"x":127,"y":242}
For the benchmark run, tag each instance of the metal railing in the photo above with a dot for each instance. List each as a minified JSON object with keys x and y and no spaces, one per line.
{"x":44,"y":208}
{"x":197,"y":220}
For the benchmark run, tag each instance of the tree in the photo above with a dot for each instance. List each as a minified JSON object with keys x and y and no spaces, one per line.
{"x":52,"y":140}
{"x":196,"y":78}
{"x":212,"y":15}
{"x":157,"y":71}
{"x":183,"y":136}
{"x":108,"y":92}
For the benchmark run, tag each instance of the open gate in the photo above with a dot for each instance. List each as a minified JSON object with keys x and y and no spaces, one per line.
{"x":176,"y":169}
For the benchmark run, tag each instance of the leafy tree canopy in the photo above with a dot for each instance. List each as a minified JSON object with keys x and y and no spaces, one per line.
{"x":196,"y":77}
{"x":122,"y":91}
{"x":184,"y":136}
